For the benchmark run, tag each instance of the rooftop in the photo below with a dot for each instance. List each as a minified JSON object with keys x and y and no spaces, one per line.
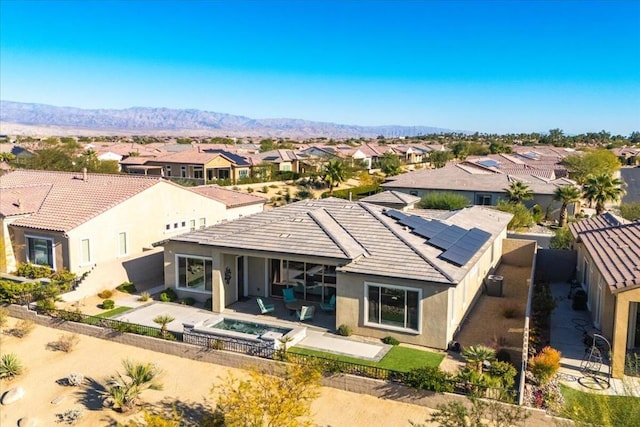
{"x":231,"y":198}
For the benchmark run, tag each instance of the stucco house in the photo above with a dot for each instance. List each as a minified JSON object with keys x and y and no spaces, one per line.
{"x":81,"y":220}
{"x":413,"y":275}
{"x":608,"y":268}
{"x":483,"y":183}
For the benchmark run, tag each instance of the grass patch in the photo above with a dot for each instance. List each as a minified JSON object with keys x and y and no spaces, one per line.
{"x":113,"y":312}
{"x":600,"y":409}
{"x":398,"y":358}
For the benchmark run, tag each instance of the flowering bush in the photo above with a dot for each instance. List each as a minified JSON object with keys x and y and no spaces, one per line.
{"x":545,"y":365}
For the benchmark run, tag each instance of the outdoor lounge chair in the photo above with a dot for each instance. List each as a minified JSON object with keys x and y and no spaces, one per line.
{"x":265,"y":308}
{"x":289,"y":296}
{"x":330,"y":306}
{"x":306,"y":312}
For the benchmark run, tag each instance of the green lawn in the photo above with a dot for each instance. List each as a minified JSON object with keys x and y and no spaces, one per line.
{"x":113,"y":312}
{"x":398,"y":358}
{"x":599,"y":409}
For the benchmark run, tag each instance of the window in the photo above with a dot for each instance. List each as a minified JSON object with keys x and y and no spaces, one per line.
{"x":192,"y":225}
{"x":167,"y":227}
{"x":122,"y":244}
{"x":40,"y":251}
{"x":86,"y":252}
{"x":243,"y":173}
{"x":413,"y":192}
{"x":483,"y":199}
{"x":198,"y":172}
{"x":183,"y":171}
{"x":393,"y":307}
{"x":194,"y":273}
{"x":167,"y":170}
{"x":203,"y":222}
{"x":286,"y":167}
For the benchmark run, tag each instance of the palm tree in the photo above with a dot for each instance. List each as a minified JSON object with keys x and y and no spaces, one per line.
{"x":124,"y":391}
{"x":162,"y":320}
{"x":333,"y":173}
{"x":518,"y":191}
{"x":477,"y":355}
{"x":566,"y":194}
{"x":602,"y":189}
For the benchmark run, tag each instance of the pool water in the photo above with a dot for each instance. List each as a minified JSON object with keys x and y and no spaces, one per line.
{"x":248,"y":327}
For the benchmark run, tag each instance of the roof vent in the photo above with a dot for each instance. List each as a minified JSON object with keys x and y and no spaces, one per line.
{"x":284,"y":235}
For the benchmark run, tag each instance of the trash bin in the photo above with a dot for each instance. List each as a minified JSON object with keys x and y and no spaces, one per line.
{"x":493,"y":285}
{"x":579,"y":300}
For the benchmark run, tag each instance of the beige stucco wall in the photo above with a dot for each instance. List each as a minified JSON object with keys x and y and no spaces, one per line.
{"x":518,"y":252}
{"x":18,"y":237}
{"x":619,"y":344}
{"x":235,"y":213}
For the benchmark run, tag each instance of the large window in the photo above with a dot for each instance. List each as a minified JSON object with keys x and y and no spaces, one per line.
{"x":194,"y":273}
{"x":310,"y":281}
{"x":393,"y":306}
{"x":40,"y":251}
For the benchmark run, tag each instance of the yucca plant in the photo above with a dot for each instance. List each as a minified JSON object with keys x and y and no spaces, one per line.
{"x":477,"y":355}
{"x":10,"y":365}
{"x":124,"y":390}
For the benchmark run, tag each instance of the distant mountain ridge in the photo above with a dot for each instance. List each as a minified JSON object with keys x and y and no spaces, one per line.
{"x":166,"y":121}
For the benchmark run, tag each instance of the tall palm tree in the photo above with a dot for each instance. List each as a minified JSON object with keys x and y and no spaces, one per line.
{"x":566,"y":194}
{"x":334,"y":173}
{"x":602,"y":189}
{"x":518,"y":191}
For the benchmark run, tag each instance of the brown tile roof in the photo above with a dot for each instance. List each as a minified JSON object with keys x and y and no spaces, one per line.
{"x":22,"y":199}
{"x":70,"y":201}
{"x":616,"y":254}
{"x":596,"y":223}
{"x":232,"y":199}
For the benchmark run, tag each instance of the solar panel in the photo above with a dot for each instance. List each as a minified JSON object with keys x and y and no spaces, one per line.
{"x":430,"y":228}
{"x":489,"y":163}
{"x":397,"y":215}
{"x":413,"y":221}
{"x":447,"y":237}
{"x":466,"y":247}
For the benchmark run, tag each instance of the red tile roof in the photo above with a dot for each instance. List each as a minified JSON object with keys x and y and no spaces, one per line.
{"x":616,"y":254}
{"x":596,"y":223}
{"x":70,"y":201}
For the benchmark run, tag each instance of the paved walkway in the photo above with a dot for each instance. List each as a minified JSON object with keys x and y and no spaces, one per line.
{"x":567,"y":326}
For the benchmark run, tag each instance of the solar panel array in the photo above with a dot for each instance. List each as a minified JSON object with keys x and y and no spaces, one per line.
{"x":489,"y":163}
{"x":459,"y":244}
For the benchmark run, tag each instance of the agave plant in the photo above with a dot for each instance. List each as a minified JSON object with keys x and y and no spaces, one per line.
{"x":477,"y":355}
{"x":163,"y":320}
{"x":10,"y":365}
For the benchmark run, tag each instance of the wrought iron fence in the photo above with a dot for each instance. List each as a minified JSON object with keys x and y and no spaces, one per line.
{"x":333,"y":366}
{"x":262,"y":349}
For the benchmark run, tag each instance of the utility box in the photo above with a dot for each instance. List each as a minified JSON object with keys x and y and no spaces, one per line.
{"x":493,"y":285}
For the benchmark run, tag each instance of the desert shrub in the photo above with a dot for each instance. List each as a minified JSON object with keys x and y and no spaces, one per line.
{"x":33,"y":271}
{"x":105,"y":294}
{"x":46,"y":305}
{"x":18,"y":292}
{"x":429,"y":378}
{"x":479,"y":413}
{"x":522,"y":218}
{"x":4,"y":316}
{"x":505,"y":371}
{"x":265,"y":189}
{"x":510,"y":311}
{"x":344,"y":330}
{"x":127,"y":287}
{"x":73,"y":316}
{"x":443,"y":200}
{"x":561,"y":239}
{"x":390,"y":341}
{"x":145,"y":296}
{"x":630,"y":211}
{"x":70,"y":416}
{"x":108,"y":304}
{"x":22,"y":328}
{"x":10,"y":365}
{"x":75,"y":379}
{"x":65,"y":343}
{"x":303,"y":194}
{"x":537,"y":213}
{"x":188,"y":301}
{"x":545,"y":365}
{"x":169,"y":295}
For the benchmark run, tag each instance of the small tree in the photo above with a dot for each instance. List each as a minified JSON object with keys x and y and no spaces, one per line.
{"x":390,"y":164}
{"x":334,"y":174}
{"x":561,"y":239}
{"x":518,"y":192}
{"x":439,"y":159}
{"x":282,"y":399}
{"x":163,"y":320}
{"x":566,"y":194}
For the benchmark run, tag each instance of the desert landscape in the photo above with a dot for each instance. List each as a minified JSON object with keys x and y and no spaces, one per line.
{"x":187,"y":386}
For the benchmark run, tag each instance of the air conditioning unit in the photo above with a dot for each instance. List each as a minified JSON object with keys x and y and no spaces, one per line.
{"x":493,"y":285}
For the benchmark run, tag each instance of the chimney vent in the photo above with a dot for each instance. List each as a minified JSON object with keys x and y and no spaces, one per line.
{"x":84,"y":174}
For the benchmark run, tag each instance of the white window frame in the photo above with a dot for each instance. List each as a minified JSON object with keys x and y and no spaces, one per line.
{"x":389,"y":327}
{"x":53,"y":250}
{"x":89,"y":261}
{"x":177,"y":278}
{"x":126,"y":244}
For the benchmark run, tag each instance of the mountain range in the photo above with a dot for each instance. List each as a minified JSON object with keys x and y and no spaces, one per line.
{"x":28,"y":118}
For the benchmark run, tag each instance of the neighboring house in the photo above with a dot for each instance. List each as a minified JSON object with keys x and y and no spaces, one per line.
{"x":393,"y":200}
{"x":388,"y":277}
{"x":628,"y":156}
{"x":480,"y":184}
{"x":238,"y":204}
{"x":77,"y":221}
{"x":197,"y":165}
{"x":608,"y":267}
{"x":282,"y":161}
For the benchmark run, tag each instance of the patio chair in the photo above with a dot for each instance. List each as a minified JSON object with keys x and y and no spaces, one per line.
{"x":306,"y":312}
{"x":265,"y":308}
{"x":331,"y":305}
{"x":289,"y":296}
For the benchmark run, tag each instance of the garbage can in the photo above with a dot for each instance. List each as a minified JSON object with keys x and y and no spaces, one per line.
{"x":493,"y":285}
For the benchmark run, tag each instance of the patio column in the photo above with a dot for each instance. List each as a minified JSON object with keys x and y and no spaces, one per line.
{"x":217,"y":284}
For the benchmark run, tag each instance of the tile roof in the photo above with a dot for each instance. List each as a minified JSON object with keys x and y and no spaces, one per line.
{"x":70,"y":200}
{"x":391,"y":197}
{"x":356,"y":233}
{"x":616,"y":254}
{"x":596,"y":223}
{"x":231,"y":198}
{"x":22,"y":199}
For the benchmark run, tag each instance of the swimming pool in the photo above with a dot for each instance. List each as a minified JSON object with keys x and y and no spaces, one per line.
{"x":250,"y":328}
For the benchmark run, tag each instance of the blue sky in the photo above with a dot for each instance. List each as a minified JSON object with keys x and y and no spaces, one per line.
{"x":490,"y":66}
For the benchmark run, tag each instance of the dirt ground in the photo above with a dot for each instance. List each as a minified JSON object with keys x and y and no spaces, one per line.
{"x":187,"y":386}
